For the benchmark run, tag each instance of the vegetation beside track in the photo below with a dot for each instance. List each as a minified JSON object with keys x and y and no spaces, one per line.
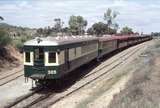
{"x":142,"y":91}
{"x":9,"y":56}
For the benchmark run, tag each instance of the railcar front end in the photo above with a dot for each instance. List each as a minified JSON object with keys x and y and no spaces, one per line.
{"x":41,"y":62}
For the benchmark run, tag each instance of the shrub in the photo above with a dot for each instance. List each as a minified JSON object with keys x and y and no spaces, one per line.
{"x":19,"y":45}
{"x":4,"y":38}
{"x":20,"y":41}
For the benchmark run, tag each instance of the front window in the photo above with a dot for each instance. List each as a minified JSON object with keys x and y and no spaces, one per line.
{"x":52,"y":57}
{"x":27,"y":58}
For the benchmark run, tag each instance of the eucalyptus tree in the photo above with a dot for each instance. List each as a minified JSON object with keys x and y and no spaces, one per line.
{"x":81,"y":24}
{"x":99,"y":28}
{"x":77,"y":25}
{"x":109,"y":17}
{"x":127,"y":30}
{"x":58,"y":25}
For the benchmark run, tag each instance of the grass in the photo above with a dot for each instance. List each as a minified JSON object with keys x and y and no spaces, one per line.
{"x":101,"y":90}
{"x":143,"y":89}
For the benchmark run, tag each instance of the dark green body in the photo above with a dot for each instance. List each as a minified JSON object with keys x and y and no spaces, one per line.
{"x":40,"y":71}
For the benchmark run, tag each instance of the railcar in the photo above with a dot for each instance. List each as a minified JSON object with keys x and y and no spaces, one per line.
{"x":122,"y":42}
{"x":107,"y":45}
{"x":52,"y":58}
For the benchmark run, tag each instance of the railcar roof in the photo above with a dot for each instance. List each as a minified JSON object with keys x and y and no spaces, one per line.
{"x":55,"y":41}
{"x":113,"y":37}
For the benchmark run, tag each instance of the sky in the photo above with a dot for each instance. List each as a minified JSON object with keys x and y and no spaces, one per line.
{"x":141,"y":15}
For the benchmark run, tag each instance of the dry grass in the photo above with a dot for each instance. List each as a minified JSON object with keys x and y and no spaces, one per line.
{"x":102,"y":88}
{"x":143,"y":89}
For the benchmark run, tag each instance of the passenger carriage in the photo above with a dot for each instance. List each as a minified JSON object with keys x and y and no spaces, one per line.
{"x":107,"y":45}
{"x":122,"y":41}
{"x":53,"y":57}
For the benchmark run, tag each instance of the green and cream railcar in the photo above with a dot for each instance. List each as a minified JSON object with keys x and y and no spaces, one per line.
{"x":52,"y":58}
{"x":107,"y":45}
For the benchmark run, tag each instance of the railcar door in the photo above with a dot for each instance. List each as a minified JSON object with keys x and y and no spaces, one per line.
{"x":67,"y":64}
{"x":39,"y":56}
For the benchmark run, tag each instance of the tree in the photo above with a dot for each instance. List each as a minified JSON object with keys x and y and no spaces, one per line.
{"x":40,"y":31}
{"x":111,"y":31}
{"x":1,"y":18}
{"x":126,"y":30}
{"x":4,"y":38}
{"x":66,"y":30}
{"x":116,"y":26}
{"x":43,"y":32}
{"x":77,"y":25}
{"x":58,"y":25}
{"x":109,"y":17}
{"x":90,"y":31}
{"x":99,"y":28}
{"x":156,"y":34}
{"x":73,"y":25}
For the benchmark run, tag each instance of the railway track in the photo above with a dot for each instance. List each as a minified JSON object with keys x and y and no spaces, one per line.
{"x":53,"y":98}
{"x":10,"y":77}
{"x":105,"y":64}
{"x":37,"y":99}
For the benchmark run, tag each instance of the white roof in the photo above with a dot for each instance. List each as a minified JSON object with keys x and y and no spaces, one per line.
{"x":55,"y":41}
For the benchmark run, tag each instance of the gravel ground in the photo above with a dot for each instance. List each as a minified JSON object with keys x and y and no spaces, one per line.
{"x":13,"y":90}
{"x":95,"y":95}
{"x":100,"y":93}
{"x":7,"y":71}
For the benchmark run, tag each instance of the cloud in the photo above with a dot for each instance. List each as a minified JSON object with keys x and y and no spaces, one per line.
{"x":141,"y":15}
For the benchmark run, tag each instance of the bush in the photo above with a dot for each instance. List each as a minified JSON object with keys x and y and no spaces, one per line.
{"x":20,"y":41}
{"x":19,"y":45}
{"x":4,"y":38}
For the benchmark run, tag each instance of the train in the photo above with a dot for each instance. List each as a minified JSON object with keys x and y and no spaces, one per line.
{"x":51,"y":58}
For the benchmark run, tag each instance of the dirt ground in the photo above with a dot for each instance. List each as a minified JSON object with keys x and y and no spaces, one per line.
{"x":123,"y":85}
{"x":15,"y":89}
{"x":133,"y":84}
{"x":10,"y":58}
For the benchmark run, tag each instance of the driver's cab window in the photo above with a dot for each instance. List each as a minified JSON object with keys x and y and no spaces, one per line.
{"x":28,"y":58}
{"x":52,"y":57}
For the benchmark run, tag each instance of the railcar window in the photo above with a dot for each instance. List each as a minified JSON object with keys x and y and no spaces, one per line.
{"x":75,"y":52}
{"x":28,"y":57}
{"x":88,"y":48}
{"x":108,"y":44}
{"x":52,"y":57}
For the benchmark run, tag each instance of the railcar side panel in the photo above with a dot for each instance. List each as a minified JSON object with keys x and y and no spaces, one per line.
{"x":122,"y":43}
{"x":107,"y":47}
